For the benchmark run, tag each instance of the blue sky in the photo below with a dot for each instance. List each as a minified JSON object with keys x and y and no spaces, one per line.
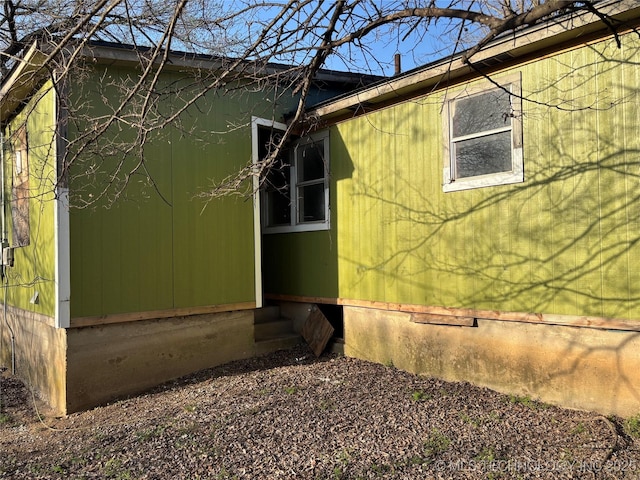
{"x":381,"y":58}
{"x":416,"y":46}
{"x":415,"y":50}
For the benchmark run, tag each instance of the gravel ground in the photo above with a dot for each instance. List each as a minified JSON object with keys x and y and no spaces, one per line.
{"x":290,"y":415}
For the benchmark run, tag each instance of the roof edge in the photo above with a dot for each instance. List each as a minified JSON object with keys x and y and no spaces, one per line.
{"x":555,"y":33}
{"x":21,"y":82}
{"x":30,"y":70}
{"x":109,"y":52}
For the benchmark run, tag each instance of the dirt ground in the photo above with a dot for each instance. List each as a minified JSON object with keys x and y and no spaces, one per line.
{"x":289,"y":415}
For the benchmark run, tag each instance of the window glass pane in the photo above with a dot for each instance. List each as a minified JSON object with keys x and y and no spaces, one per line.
{"x":483,"y":155}
{"x":278,"y":175}
{"x":479,"y":113}
{"x":278,"y":209}
{"x":277,"y":187}
{"x":20,"y":189}
{"x":311,"y":162}
{"x":268,"y":139}
{"x":311,"y":203}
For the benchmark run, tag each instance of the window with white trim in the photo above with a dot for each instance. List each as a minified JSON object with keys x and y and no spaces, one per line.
{"x":296,"y":189}
{"x":20,"y":189}
{"x":483,"y":136}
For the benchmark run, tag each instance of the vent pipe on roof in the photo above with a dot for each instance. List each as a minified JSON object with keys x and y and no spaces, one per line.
{"x":398,"y":59}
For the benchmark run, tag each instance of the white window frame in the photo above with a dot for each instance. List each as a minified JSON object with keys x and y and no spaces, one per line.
{"x":294,"y":187}
{"x":256,"y":124}
{"x":511,"y":83}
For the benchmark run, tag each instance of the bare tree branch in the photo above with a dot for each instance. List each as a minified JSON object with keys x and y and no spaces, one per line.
{"x":277,"y":46}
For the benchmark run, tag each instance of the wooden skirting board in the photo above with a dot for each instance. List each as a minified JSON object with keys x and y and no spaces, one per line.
{"x":464,"y":314}
{"x":436,"y":319}
{"x":157,"y":314}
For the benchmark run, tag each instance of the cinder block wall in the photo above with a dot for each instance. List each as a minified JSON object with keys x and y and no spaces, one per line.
{"x":581,"y":368}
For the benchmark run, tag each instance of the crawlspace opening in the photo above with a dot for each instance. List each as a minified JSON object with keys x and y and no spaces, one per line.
{"x":335,"y":316}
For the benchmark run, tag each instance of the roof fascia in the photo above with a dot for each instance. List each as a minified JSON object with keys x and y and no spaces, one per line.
{"x":553,"y":34}
{"x":21,"y":82}
{"x":127,"y":55}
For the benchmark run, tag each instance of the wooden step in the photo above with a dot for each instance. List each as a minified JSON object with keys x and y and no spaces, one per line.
{"x":272,"y":329}
{"x":266,"y":314}
{"x":271,"y":345}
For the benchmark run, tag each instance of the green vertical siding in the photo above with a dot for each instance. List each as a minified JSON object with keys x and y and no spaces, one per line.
{"x":121,"y":251}
{"x":34,"y":266}
{"x":301,"y":264}
{"x":213,"y":241}
{"x":565,"y":241}
{"x":162,"y":246}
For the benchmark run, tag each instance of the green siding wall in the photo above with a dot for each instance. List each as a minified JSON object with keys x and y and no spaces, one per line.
{"x":160,"y":246}
{"x":301,"y":264}
{"x":34,"y":265}
{"x":565,"y":241}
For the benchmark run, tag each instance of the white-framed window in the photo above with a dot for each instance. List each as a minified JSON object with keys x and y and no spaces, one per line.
{"x":483,"y":136}
{"x":20,"y":193}
{"x":296,"y":190}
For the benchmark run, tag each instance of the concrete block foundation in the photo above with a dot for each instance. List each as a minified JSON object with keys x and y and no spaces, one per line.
{"x":582,"y":368}
{"x":29,"y":342}
{"x":80,"y":368}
